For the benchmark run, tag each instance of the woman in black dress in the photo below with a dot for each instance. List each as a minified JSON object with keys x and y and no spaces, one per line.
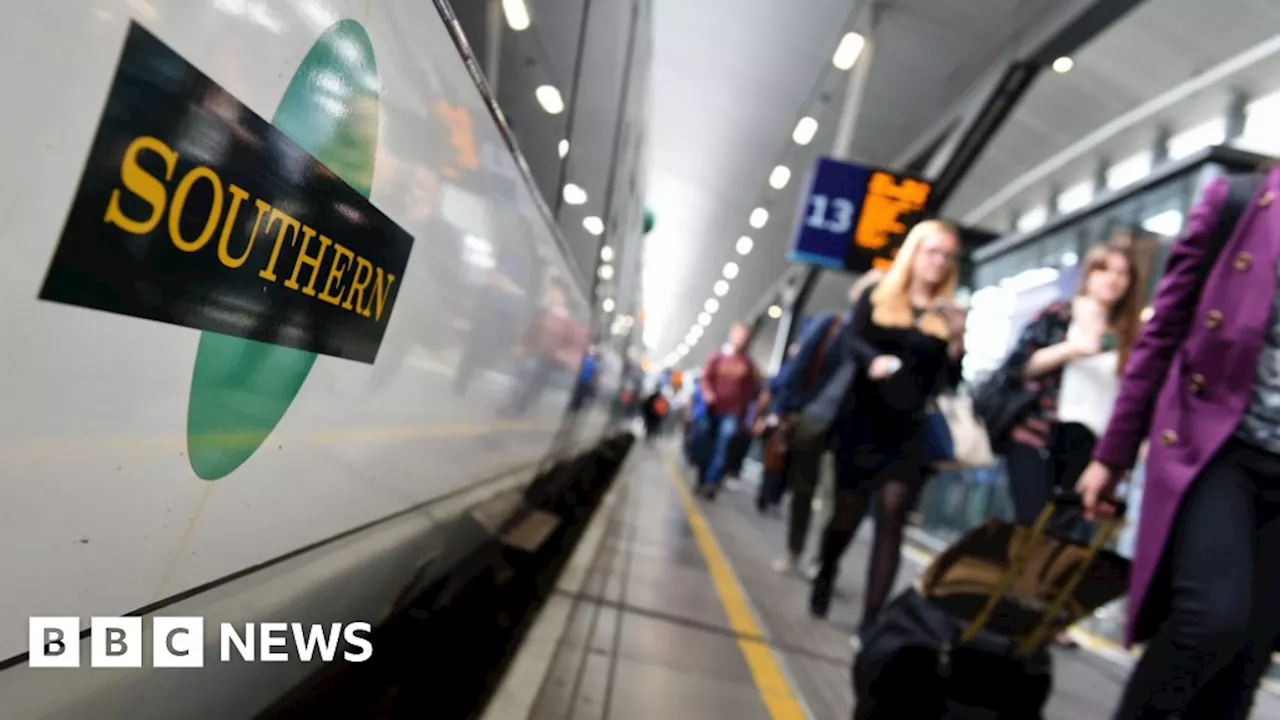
{"x":906,"y":335}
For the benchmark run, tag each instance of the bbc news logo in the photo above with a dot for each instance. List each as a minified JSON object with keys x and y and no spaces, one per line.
{"x":178,"y":642}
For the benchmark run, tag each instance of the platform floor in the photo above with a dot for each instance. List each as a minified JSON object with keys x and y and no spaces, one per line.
{"x":675,"y":613}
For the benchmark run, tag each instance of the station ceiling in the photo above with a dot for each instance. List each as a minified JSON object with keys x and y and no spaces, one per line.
{"x":731,"y":78}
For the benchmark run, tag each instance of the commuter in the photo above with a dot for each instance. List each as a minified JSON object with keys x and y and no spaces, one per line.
{"x":554,"y":343}
{"x":730,"y":382}
{"x":655,"y":410}
{"x":802,"y":376}
{"x":696,"y":430}
{"x":906,"y":335}
{"x":584,"y":388}
{"x":1071,"y":355}
{"x":772,"y":485}
{"x":1204,"y":379}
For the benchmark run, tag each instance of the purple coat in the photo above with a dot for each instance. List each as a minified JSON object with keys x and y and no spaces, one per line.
{"x":1189,"y":377}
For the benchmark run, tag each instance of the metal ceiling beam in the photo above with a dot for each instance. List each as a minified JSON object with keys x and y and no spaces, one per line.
{"x":949,"y":150}
{"x":1062,"y":30}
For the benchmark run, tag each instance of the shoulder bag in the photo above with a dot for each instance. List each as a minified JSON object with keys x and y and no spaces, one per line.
{"x":777,"y":445}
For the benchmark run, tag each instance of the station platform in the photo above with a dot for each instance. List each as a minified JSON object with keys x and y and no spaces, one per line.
{"x":670,"y":608}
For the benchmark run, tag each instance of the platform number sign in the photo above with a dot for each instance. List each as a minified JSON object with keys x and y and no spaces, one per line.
{"x":854,"y":217}
{"x":834,"y":215}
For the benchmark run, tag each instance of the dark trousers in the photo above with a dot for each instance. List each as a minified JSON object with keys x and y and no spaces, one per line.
{"x":804,"y":462}
{"x":772,"y":487}
{"x":1221,"y":571}
{"x":1034,"y":473}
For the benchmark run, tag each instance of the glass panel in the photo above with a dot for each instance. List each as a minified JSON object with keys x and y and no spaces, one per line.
{"x":1200,"y":136}
{"x":1075,"y":197}
{"x":1129,"y":170}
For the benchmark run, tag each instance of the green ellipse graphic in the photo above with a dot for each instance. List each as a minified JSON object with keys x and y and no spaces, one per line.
{"x":240,"y":389}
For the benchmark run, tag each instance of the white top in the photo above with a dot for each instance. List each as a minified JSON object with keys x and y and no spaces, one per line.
{"x":1089,"y":388}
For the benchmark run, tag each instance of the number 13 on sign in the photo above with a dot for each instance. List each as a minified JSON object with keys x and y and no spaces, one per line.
{"x":835,"y":215}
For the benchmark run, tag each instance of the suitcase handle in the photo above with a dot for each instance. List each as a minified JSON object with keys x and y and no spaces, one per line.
{"x":1061,"y":500}
{"x":1071,"y":499}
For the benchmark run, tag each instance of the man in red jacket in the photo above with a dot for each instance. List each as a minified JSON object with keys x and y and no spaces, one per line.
{"x":729,"y":383}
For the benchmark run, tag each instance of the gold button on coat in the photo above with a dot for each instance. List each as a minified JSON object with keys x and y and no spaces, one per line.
{"x":1197,"y":384}
{"x":1168,"y":437}
{"x":1213,"y":319}
{"x":1244,"y":261}
{"x":1266,"y":198}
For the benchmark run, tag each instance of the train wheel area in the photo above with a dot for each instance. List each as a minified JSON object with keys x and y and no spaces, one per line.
{"x":442,"y":655}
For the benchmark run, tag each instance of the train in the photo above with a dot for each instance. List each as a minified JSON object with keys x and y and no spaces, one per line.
{"x":281,"y":303}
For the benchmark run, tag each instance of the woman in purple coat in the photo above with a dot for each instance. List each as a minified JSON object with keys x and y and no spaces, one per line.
{"x":1204,"y":382}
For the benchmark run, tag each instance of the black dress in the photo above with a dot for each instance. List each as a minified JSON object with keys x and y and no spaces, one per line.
{"x":881,"y":434}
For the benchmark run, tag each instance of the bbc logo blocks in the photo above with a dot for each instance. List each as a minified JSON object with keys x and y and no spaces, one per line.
{"x":54,"y":642}
{"x":179,"y":642}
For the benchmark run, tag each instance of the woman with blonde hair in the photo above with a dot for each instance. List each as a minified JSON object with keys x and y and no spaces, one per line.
{"x":906,"y":335}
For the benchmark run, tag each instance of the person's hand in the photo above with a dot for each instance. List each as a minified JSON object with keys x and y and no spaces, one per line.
{"x":1086,"y":346}
{"x":883,"y":366}
{"x":1095,"y":487}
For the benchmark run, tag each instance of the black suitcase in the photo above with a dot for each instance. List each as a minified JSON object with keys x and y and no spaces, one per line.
{"x":970,"y":640}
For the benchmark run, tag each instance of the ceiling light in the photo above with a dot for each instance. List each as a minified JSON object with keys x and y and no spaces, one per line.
{"x":564,"y":148}
{"x":759,"y":217}
{"x":704,"y":319}
{"x":696,"y":331}
{"x":607,"y":304}
{"x":606,"y":272}
{"x":731,"y":270}
{"x":805,"y":130}
{"x":682,"y":349}
{"x":593,"y":224}
{"x":711,"y":305}
{"x":848,"y":51}
{"x":779,"y":177}
{"x":549,"y":98}
{"x":574,"y":195}
{"x":517,"y":14}
{"x":720,"y":288}
{"x":744,"y":245}
{"x":775,"y":312}
{"x":1063,"y":64}
{"x":606,"y":253}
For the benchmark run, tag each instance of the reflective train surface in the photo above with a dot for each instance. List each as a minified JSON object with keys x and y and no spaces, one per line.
{"x":279,"y":303}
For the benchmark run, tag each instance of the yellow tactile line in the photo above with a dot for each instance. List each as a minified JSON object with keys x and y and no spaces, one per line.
{"x":776,"y":691}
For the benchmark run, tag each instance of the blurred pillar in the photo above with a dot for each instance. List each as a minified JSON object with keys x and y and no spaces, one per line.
{"x":796,"y":295}
{"x":493,"y":44}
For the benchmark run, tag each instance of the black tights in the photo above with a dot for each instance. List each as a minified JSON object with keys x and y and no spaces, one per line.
{"x":896,"y":500}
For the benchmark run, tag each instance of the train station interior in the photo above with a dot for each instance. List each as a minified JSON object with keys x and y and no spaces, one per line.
{"x":652,"y":410}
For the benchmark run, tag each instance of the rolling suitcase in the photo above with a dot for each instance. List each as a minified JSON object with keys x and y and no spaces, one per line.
{"x":970,"y":639}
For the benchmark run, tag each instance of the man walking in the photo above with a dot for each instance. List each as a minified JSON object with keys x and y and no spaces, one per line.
{"x":729,"y":383}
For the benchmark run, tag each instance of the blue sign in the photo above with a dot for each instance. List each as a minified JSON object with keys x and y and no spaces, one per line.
{"x":854,"y":217}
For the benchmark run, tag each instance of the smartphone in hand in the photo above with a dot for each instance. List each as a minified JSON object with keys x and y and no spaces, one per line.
{"x":1108,"y":342}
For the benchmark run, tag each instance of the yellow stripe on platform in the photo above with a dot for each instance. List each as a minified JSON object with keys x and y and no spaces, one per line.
{"x":776,"y":691}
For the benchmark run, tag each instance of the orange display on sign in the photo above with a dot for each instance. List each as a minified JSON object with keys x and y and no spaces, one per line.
{"x":887,"y":201}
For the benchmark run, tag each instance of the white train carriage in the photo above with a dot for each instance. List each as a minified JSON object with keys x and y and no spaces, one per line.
{"x":266,"y":262}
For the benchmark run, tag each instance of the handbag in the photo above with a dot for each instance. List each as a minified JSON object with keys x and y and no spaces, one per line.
{"x":775,"y":452}
{"x":1002,"y":401}
{"x":965,"y":443}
